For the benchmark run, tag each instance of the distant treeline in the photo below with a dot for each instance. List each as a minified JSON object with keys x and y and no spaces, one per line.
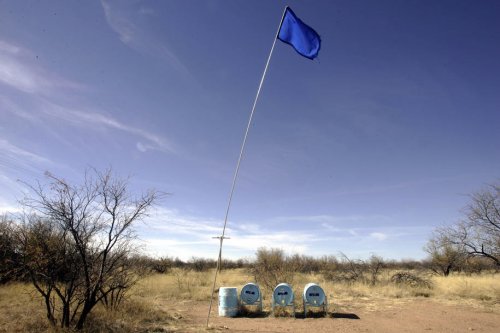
{"x":307,"y":264}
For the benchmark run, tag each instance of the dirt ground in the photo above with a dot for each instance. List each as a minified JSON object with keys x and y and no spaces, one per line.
{"x":414,"y":315}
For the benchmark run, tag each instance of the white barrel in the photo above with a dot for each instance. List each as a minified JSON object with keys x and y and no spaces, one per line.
{"x":250,"y":293}
{"x":283,"y":294}
{"x":228,"y":302}
{"x":314,"y":294}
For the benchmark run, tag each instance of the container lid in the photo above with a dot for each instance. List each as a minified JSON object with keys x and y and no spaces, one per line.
{"x":283,"y":294}
{"x":250,"y":293}
{"x":314,"y":294}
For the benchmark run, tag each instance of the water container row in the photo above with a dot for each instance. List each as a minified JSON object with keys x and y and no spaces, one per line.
{"x":283,"y":296}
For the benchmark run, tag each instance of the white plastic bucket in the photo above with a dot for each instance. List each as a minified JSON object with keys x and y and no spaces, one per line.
{"x":228,"y":302}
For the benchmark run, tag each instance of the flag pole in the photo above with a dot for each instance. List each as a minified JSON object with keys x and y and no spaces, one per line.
{"x":239,"y":162}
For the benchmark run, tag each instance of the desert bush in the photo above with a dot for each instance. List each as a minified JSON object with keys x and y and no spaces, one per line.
{"x":162,"y":265}
{"x":350,"y":271}
{"x":406,"y":264}
{"x":234,"y":264}
{"x":272,"y":267}
{"x":477,"y":265}
{"x":305,"y":264}
{"x":10,"y":267}
{"x":201,"y":264}
{"x":148,"y":264}
{"x":411,"y":280}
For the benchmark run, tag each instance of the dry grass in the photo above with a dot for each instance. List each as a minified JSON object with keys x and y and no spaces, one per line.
{"x":145,"y":311}
{"x":484,"y":287}
{"x":21,"y":309}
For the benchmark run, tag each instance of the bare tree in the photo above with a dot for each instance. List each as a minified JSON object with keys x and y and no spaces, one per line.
{"x":479,"y":232}
{"x":77,"y":242}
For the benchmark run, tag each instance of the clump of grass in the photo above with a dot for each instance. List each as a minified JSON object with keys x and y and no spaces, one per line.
{"x":411,"y":280}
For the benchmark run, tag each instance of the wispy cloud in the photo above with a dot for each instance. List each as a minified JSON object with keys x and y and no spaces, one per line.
{"x":8,"y":105}
{"x":124,"y":20}
{"x":398,"y":186}
{"x":119,"y":23}
{"x":15,"y":158}
{"x":19,"y":69}
{"x":9,"y":149}
{"x":93,"y":120}
{"x":11,"y":191}
{"x":332,"y":219}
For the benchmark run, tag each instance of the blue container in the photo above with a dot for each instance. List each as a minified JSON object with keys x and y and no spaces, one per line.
{"x":228,"y":302}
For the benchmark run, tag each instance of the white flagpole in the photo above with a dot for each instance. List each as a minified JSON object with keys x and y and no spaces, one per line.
{"x":239,"y":162}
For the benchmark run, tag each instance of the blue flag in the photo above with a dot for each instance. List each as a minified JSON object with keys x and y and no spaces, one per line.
{"x":302,"y":37}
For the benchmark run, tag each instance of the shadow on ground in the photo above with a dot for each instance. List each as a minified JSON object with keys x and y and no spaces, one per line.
{"x":300,"y":315}
{"x":345,"y":315}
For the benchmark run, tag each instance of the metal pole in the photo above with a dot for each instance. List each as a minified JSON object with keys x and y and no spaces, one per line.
{"x":239,"y":161}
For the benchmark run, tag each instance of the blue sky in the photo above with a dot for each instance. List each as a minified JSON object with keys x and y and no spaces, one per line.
{"x":364,"y":150}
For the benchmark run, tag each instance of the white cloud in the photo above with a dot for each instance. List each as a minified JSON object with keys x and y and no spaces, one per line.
{"x":6,"y":208}
{"x":173,"y":234}
{"x":19,"y":76}
{"x":378,"y":236}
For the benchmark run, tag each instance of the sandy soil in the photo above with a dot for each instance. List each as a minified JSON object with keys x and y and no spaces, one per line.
{"x":414,"y":315}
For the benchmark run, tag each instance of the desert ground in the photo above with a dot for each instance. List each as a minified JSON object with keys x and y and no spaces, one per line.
{"x":415,"y":315}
